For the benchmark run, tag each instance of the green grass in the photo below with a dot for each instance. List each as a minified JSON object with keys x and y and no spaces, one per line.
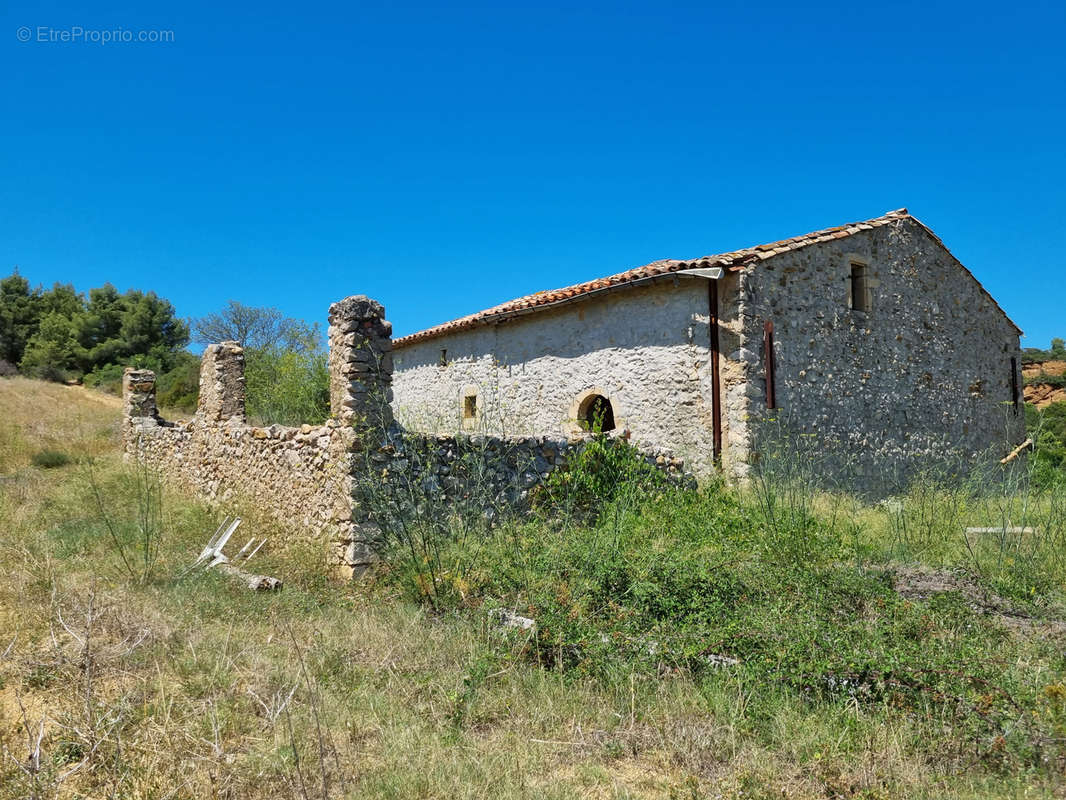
{"x":161,"y":685}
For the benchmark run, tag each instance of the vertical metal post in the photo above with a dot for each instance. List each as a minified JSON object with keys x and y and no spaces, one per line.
{"x":768,"y":363}
{"x":716,"y":387}
{"x":1014,"y":382}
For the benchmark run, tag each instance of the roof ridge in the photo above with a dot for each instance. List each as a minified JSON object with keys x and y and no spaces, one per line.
{"x":735,"y":259}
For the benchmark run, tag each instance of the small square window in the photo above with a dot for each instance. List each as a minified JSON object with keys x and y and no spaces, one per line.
{"x":860,"y":299}
{"x":469,"y":412}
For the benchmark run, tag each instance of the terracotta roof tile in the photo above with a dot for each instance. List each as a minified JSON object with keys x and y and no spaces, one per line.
{"x":735,"y":260}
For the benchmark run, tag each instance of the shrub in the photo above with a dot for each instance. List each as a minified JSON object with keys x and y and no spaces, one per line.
{"x":1057,"y":352}
{"x":1047,"y":429}
{"x":286,"y":386}
{"x":1047,"y":380}
{"x":50,"y":459}
{"x":49,"y":372}
{"x":107,"y":378}
{"x":602,"y":471}
{"x":180,"y":387}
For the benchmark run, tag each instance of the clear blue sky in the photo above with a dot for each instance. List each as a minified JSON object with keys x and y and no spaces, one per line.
{"x":443,"y":158}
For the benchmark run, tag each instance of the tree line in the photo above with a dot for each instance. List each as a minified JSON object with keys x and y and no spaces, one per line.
{"x":59,"y":334}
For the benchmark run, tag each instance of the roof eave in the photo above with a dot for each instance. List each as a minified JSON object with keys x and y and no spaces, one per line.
{"x":504,"y":316}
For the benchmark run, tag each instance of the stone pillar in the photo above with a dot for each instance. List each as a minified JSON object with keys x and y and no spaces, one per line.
{"x":360,"y":362}
{"x":138,"y":396}
{"x":222,"y":384}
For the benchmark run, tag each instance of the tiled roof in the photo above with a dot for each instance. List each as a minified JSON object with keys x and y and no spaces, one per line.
{"x":735,"y":260}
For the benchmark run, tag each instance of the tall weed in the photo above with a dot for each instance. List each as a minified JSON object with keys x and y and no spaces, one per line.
{"x":135,"y":533}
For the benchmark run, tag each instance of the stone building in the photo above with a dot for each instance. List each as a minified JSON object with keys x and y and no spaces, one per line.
{"x":870,"y":339}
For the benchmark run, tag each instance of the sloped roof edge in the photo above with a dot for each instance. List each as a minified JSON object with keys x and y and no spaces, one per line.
{"x":735,"y":260}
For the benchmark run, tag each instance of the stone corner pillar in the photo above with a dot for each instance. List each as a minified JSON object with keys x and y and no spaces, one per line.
{"x":360,"y":363}
{"x":222,"y":384}
{"x":138,"y":396}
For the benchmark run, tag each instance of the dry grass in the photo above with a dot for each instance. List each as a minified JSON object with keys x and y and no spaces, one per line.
{"x":197,"y":688}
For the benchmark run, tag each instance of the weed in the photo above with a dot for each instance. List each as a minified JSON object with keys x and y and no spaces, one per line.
{"x":605,"y":470}
{"x":50,"y":459}
{"x":136,"y":538}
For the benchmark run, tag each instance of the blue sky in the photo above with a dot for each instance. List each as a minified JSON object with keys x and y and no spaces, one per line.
{"x":444,"y":158}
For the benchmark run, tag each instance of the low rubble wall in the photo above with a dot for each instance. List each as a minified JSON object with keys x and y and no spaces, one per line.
{"x":334,"y":482}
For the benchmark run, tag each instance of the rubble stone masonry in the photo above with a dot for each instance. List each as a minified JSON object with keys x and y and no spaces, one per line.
{"x":324,"y":481}
{"x":917,"y":370}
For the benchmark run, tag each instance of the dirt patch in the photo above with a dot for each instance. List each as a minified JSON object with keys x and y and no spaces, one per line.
{"x":922,"y":583}
{"x":1042,"y":395}
{"x":648,"y":777}
{"x":1038,"y":368}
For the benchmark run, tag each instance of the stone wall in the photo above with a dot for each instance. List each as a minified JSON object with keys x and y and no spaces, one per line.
{"x":418,"y":479}
{"x":340,"y":482}
{"x":221,"y":396}
{"x":925,"y":373}
{"x":300,"y":476}
{"x":360,"y":362}
{"x":922,"y":376}
{"x":645,"y":348}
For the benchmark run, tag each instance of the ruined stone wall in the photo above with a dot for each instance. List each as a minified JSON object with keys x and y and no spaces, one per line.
{"x":340,"y":482}
{"x":494,"y":473}
{"x":411,"y":481}
{"x":301,"y":476}
{"x":645,"y":348}
{"x":923,"y":375}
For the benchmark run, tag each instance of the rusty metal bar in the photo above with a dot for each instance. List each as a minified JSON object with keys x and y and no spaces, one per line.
{"x":1014,"y":382}
{"x":716,"y":387}
{"x":768,"y":363}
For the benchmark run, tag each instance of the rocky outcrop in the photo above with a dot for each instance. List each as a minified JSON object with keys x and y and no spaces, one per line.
{"x":1035,"y":369}
{"x":1042,"y":393}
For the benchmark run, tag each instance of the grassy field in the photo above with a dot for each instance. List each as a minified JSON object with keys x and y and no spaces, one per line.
{"x":779,"y":644}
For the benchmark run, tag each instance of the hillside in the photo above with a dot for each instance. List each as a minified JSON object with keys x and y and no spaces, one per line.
{"x":777,"y":643}
{"x":1045,"y":382}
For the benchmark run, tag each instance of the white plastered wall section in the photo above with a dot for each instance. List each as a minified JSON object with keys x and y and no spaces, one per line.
{"x":645,"y":348}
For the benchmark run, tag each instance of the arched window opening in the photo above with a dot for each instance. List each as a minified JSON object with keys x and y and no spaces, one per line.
{"x":596,"y":414}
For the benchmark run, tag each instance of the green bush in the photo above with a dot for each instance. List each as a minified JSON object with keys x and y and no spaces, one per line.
{"x":1047,"y":429}
{"x":49,"y":459}
{"x":179,"y":388}
{"x":49,"y":372}
{"x":106,"y":379}
{"x":771,"y":588}
{"x":1048,"y":380}
{"x":287,"y":386}
{"x":603,"y":471}
{"x":1057,"y":352}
